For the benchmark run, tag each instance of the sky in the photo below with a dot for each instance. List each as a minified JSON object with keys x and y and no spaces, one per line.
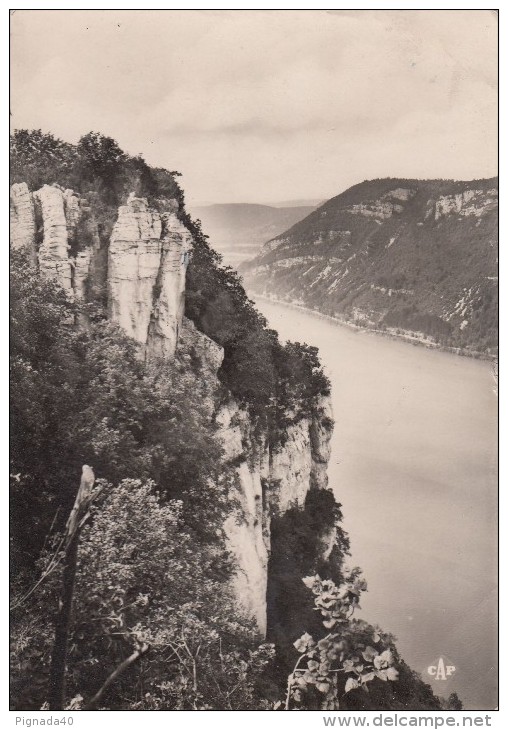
{"x":267,"y":106}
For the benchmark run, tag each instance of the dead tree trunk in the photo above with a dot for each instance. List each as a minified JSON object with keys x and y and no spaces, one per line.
{"x":91,"y":704}
{"x":62,"y":625}
{"x":76,"y":519}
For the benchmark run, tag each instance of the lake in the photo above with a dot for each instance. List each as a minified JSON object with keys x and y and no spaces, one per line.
{"x":414,"y":464}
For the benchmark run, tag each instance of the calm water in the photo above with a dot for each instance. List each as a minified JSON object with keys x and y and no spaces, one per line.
{"x":414,"y":464}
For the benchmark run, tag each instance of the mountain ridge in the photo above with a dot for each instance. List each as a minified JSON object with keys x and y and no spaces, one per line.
{"x":410,"y":257}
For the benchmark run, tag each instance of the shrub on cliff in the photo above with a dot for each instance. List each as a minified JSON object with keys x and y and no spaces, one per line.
{"x":349,"y":664}
{"x":298,"y":540}
{"x":270,"y":378}
{"x":143,"y":578}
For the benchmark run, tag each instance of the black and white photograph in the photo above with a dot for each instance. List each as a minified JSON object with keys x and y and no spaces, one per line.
{"x":253,"y":343}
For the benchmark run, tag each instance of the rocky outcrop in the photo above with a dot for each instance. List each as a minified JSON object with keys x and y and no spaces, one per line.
{"x":53,"y":255}
{"x":22,"y":219}
{"x":385,"y":207}
{"x":271,"y":479}
{"x":146,"y":261}
{"x":168,"y":307}
{"x":320,"y":432}
{"x":148,"y":256}
{"x":380,"y":209}
{"x":271,"y":476}
{"x":467,"y":203}
{"x":46,"y":224}
{"x":133,"y":267}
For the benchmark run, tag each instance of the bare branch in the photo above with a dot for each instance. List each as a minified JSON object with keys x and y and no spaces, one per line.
{"x":134,"y":657}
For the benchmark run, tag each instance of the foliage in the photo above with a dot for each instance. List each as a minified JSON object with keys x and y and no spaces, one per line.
{"x":143,"y":577}
{"x":83,"y":396}
{"x":101,"y":154}
{"x":37,"y":158}
{"x":298,"y":540}
{"x":337,"y":663}
{"x":272,"y":379}
{"x":310,"y":541}
{"x":355,"y":665}
{"x":452,"y":702}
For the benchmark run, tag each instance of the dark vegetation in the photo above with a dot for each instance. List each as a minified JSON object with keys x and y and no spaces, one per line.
{"x":153,"y":565}
{"x":297,"y":539}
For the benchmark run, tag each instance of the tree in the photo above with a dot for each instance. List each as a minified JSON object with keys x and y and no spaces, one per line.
{"x":102,"y":154}
{"x":452,"y":703}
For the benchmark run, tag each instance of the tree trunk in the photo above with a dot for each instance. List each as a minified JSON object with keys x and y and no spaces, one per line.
{"x":62,"y":625}
{"x":56,"y":699}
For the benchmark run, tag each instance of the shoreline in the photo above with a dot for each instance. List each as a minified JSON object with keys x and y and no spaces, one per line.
{"x":408,"y":339}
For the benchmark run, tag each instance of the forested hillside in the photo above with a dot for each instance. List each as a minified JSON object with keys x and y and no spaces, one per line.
{"x":416,"y":258}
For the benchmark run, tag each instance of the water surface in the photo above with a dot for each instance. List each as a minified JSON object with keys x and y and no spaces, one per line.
{"x":414,"y":464}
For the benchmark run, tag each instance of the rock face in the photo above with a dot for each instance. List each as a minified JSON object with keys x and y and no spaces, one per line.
{"x":54,"y":261}
{"x":469,"y":202}
{"x":147,"y":259}
{"x":168,"y":309}
{"x":146,"y":269}
{"x":46,"y":223}
{"x":22,"y":219}
{"x":271,"y":479}
{"x":148,"y":256}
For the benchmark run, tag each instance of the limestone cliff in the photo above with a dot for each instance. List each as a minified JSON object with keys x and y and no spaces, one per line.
{"x":22,"y":215}
{"x":271,"y":478}
{"x":148,"y":254}
{"x":147,"y":257}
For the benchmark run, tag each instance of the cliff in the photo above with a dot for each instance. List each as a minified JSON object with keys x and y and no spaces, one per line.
{"x":148,"y":254}
{"x":412,"y":257}
{"x":145,"y":262}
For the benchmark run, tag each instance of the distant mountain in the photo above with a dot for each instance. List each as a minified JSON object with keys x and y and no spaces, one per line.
{"x":238,"y":230}
{"x":301,"y":202}
{"x":414,"y":257}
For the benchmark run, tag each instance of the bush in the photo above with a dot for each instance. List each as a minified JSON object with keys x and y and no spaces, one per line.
{"x":143,"y":577}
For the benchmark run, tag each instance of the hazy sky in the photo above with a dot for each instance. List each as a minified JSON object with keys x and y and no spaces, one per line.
{"x":267,"y":106}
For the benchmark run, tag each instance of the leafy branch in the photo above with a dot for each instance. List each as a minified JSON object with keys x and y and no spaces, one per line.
{"x":337,"y":663}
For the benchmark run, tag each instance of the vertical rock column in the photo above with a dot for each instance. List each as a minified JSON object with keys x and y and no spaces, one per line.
{"x":321,"y":431}
{"x":148,"y":257}
{"x":22,"y":219}
{"x":53,"y":254}
{"x":169,"y":302}
{"x":134,"y":263}
{"x":248,"y":535}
